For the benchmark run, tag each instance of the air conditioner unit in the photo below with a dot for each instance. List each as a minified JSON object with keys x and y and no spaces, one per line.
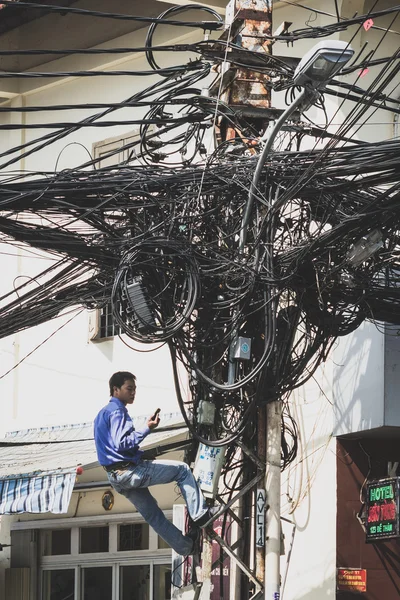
{"x":94,"y":325}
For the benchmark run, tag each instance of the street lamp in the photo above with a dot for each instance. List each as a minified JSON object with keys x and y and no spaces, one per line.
{"x":315,"y":69}
{"x":322,"y":62}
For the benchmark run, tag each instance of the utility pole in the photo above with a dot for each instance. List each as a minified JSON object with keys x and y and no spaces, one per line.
{"x":249,"y":91}
{"x":273,"y":499}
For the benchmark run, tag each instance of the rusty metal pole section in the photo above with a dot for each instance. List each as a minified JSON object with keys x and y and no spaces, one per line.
{"x":250,"y":89}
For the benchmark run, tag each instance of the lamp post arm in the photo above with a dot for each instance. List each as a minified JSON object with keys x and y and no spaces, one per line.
{"x":260,"y":164}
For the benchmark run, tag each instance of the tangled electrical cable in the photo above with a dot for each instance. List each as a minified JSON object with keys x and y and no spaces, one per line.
{"x":158,"y":235}
{"x":172,"y":271}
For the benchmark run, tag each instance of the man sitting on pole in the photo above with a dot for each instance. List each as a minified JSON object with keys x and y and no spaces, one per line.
{"x":117,"y":444}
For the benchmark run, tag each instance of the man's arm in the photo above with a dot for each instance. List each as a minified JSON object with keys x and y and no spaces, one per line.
{"x":123,"y":434}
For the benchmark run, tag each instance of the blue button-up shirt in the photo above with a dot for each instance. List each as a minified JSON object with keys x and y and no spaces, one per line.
{"x":115,"y":436}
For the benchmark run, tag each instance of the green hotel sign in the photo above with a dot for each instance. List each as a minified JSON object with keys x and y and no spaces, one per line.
{"x":382,"y":509}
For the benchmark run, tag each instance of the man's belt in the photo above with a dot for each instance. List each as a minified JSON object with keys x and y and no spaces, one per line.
{"x":120,"y":466}
{"x":148,"y":455}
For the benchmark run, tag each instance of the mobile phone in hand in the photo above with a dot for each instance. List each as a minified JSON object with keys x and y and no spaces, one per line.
{"x":155,"y":414}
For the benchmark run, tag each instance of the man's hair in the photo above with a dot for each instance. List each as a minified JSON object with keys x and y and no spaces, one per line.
{"x":118,"y":379}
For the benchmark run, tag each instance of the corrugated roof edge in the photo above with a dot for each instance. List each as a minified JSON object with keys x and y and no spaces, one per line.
{"x":139,"y":420}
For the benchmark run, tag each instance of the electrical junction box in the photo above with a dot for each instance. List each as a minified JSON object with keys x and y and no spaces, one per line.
{"x":206,"y":412}
{"x":365,"y":247}
{"x":242,"y":348}
{"x":207,"y":468}
{"x":136,"y":296}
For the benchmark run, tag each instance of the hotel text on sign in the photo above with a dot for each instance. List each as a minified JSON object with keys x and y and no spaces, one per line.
{"x":382,"y":506}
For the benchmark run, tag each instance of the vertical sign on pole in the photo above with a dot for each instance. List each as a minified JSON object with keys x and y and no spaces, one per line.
{"x":260,"y":518}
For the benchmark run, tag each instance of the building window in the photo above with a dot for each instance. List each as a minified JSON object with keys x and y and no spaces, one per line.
{"x":102,"y":325}
{"x":88,"y":560}
{"x":133,"y":537}
{"x":135,"y":578}
{"x":59,"y":584}
{"x":96,"y":583}
{"x":108,"y":327}
{"x":109,"y":153}
{"x":162,"y":582}
{"x":56,"y":541}
{"x":93,"y":539}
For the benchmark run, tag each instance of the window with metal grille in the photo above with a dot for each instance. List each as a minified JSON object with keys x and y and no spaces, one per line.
{"x":134,"y":536}
{"x":108,"y":327}
{"x":102,"y":324}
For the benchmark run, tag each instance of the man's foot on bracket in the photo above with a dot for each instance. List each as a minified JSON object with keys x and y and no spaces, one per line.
{"x":208,"y":517}
{"x":194,"y":535}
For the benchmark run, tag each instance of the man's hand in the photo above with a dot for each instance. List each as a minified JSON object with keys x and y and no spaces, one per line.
{"x":154,"y":420}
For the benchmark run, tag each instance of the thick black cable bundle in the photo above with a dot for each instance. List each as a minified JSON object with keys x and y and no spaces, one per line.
{"x":176,"y":230}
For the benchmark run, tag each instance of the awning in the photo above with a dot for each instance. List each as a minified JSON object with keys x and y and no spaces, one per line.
{"x":37,"y":493}
{"x":38,"y":466}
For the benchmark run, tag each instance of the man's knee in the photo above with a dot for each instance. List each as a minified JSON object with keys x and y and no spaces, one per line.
{"x":184,"y":469}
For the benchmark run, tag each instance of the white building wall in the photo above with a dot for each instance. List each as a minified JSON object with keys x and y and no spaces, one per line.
{"x":358,"y":383}
{"x":308,"y":495}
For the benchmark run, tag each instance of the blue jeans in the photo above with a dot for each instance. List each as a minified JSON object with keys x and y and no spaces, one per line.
{"x":133,"y":483}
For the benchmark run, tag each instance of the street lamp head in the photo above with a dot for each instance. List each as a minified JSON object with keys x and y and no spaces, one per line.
{"x":322,"y":62}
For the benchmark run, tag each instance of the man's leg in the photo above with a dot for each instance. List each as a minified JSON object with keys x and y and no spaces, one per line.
{"x":167,"y":471}
{"x":147,"y":506}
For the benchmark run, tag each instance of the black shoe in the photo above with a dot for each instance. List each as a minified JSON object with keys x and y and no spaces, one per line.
{"x":194,"y":535}
{"x":209,"y":516}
